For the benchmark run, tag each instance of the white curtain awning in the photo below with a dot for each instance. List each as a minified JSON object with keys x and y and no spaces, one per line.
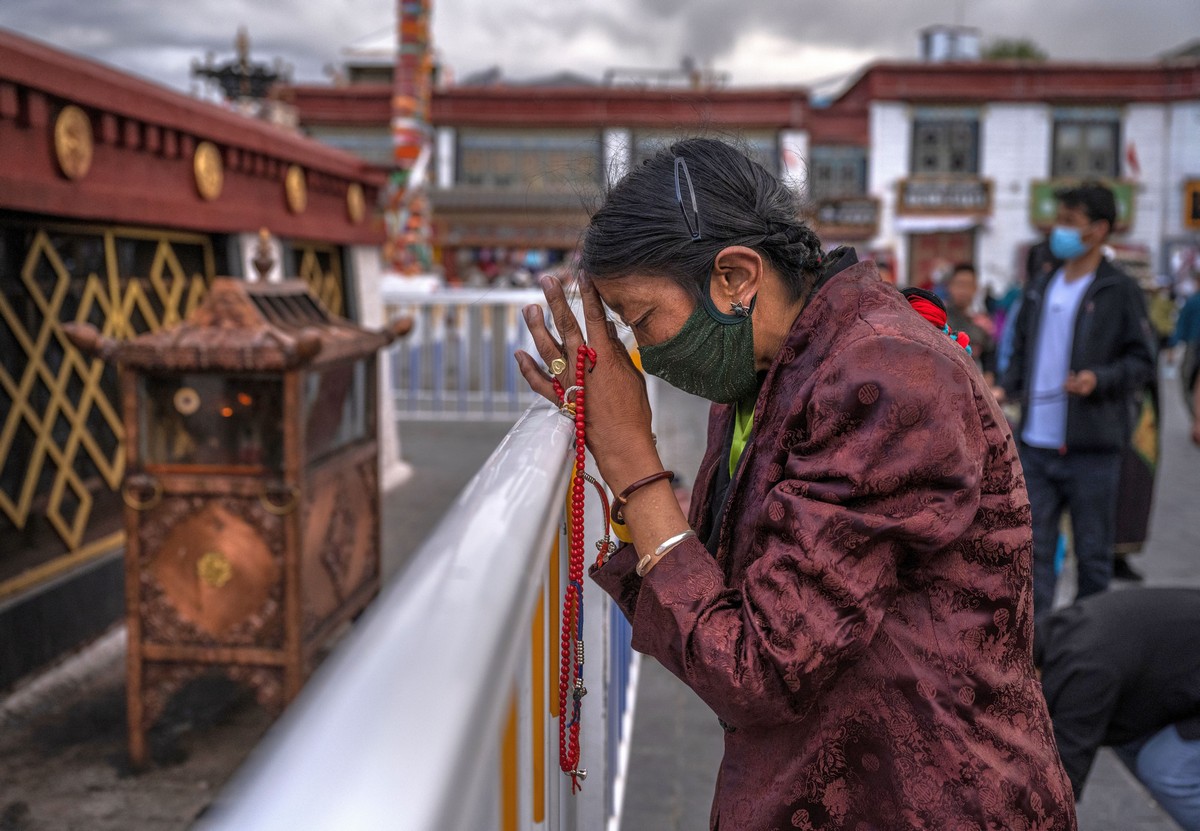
{"x":935,"y":224}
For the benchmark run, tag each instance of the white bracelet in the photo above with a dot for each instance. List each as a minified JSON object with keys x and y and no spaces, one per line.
{"x":663,"y":550}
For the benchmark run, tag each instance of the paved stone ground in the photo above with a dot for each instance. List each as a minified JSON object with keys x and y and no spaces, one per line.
{"x":677,"y":743}
{"x":62,"y":735}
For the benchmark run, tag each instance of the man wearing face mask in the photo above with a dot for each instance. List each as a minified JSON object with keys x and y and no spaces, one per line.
{"x":1082,"y":348}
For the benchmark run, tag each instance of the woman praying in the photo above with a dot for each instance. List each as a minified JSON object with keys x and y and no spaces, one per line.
{"x":851,"y":591}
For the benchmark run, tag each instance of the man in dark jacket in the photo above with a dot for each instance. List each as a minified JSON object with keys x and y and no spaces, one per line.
{"x":1082,"y":349}
{"x":1122,"y":669}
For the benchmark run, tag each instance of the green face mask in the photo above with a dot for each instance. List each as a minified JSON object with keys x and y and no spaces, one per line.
{"x":712,"y":356}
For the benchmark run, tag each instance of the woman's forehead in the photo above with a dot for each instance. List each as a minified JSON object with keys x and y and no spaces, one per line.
{"x":632,"y":293}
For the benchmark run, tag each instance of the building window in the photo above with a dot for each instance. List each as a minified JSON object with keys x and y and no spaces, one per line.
{"x":945,"y":142}
{"x":541,"y":161}
{"x":1086,"y":143}
{"x":836,"y":173}
{"x":762,"y":146}
{"x":375,"y":146}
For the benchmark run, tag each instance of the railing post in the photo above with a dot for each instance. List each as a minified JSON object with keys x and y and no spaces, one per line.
{"x":487,"y":359}
{"x":438,"y":311}
{"x":511,"y":335}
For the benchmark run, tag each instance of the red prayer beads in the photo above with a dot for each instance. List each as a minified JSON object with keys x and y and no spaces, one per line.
{"x":571,"y":655}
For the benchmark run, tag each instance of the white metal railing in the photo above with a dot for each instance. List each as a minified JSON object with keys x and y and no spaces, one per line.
{"x":457,"y":362}
{"x":439,"y":710}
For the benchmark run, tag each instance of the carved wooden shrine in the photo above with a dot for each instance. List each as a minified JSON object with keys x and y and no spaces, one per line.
{"x":251,"y":491}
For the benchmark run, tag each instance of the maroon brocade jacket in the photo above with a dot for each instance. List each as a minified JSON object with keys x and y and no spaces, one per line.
{"x":864,"y":630}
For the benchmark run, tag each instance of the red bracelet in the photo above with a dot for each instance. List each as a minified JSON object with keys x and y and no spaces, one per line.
{"x":618,"y":515}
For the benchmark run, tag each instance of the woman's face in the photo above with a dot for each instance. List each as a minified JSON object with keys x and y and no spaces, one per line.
{"x":655,"y":308}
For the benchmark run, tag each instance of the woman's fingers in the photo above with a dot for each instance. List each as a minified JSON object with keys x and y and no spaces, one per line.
{"x":599,"y":327}
{"x":564,"y":319}
{"x":536,"y":377}
{"x":545,"y":343}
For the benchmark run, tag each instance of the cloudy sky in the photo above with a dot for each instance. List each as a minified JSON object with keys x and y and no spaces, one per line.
{"x":756,"y":41}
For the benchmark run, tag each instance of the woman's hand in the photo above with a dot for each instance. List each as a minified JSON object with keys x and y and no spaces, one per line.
{"x":616,"y":408}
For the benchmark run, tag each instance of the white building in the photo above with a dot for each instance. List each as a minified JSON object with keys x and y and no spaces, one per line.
{"x":963,"y":158}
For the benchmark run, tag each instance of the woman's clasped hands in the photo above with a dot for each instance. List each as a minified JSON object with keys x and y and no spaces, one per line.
{"x":616,"y":407}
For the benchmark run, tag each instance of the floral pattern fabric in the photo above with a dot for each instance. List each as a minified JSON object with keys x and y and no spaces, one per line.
{"x":864,"y":632}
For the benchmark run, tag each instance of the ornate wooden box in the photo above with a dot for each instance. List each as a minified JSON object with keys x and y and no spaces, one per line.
{"x":251,"y":491}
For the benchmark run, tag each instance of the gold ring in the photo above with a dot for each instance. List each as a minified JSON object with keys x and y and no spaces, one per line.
{"x":558,"y":366}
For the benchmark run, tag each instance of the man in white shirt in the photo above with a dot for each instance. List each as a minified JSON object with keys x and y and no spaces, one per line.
{"x":1082,"y":349}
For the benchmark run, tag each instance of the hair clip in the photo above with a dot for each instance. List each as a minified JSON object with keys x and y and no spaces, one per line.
{"x":693,"y":228}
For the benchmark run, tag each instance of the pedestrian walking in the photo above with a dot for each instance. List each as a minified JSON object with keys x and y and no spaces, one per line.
{"x":1122,"y":669}
{"x":851,"y":590}
{"x":1082,"y":351}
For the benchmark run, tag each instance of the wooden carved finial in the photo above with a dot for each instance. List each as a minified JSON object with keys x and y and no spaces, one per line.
{"x":87,"y":339}
{"x":264,"y":257}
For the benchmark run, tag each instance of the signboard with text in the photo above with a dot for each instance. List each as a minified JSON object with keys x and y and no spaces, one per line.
{"x":1191,"y":204}
{"x":950,"y":195}
{"x":847,"y":218}
{"x":1043,"y":205}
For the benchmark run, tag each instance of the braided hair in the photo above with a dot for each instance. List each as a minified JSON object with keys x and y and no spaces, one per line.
{"x":643,"y":227}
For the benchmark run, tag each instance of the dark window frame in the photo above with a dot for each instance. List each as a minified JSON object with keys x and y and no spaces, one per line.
{"x":524,"y":151}
{"x":839,"y":159}
{"x":765,"y":146}
{"x":1084,"y":121}
{"x":946,"y":122}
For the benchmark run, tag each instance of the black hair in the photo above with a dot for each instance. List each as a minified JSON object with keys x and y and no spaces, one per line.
{"x":1093,"y":198}
{"x":643,"y":227}
{"x":964,"y":267}
{"x":924,"y":294}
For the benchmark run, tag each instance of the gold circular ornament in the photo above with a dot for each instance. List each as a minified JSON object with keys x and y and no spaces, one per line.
{"x":558,"y":366}
{"x":214,"y":569}
{"x":73,"y":142}
{"x":208,"y":170}
{"x":186,"y":400}
{"x":291,"y":493}
{"x":356,"y":203}
{"x":295,"y":188}
{"x":132,"y":498}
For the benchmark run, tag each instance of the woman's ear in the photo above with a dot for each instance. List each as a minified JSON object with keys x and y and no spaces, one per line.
{"x":736,"y":277}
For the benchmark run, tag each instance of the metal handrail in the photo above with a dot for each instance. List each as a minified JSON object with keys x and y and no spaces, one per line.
{"x":457,"y":363}
{"x":398,"y":728}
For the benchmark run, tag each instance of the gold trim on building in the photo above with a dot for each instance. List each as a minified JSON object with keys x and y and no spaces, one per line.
{"x":356,"y":203}
{"x":321,"y":267}
{"x":208,"y":171}
{"x":296,"y":189}
{"x":73,"y":145}
{"x":53,"y":568}
{"x":56,"y":394}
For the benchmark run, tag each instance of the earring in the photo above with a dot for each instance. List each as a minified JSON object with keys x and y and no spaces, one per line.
{"x":738,"y":309}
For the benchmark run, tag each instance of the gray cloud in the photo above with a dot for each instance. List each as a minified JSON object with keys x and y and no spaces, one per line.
{"x":529,"y":37}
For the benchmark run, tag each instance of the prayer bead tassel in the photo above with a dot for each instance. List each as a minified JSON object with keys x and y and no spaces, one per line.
{"x":571,"y":653}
